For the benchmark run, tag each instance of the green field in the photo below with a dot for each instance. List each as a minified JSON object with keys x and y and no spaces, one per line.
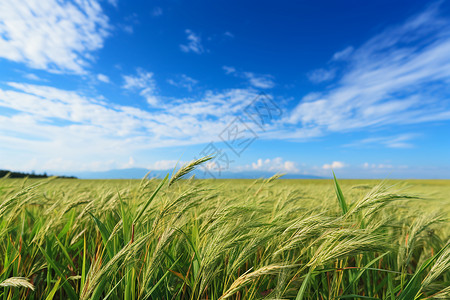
{"x":236,"y":239}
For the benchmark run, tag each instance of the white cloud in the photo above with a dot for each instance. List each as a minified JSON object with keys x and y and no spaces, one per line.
{"x":194,"y":43}
{"x":165,"y":164}
{"x":144,"y":83}
{"x":400,"y":76}
{"x":32,"y":76}
{"x":183,"y":81}
{"x":262,"y":81}
{"x":399,"y":141}
{"x":51,"y":125}
{"x":366,"y":165}
{"x":103,"y":78}
{"x":321,"y":75}
{"x":277,"y":164}
{"x":52,"y":35}
{"x":56,"y":130}
{"x":334,"y":165}
{"x":130,"y":164}
{"x":382,"y":170}
{"x":229,"y":70}
{"x":343,"y":54}
{"x":113,"y":2}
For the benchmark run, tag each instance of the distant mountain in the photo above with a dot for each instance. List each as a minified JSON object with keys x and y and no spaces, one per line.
{"x":138,"y":173}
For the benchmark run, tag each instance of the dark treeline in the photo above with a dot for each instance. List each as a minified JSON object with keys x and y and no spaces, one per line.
{"x":3,"y":173}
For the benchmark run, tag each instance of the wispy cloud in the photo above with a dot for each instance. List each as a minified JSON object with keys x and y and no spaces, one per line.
{"x":103,"y":78}
{"x":194,"y":43}
{"x":58,"y":130}
{"x":367,"y":165}
{"x":113,"y":2}
{"x":321,"y":75}
{"x":31,"y":76}
{"x":262,"y":81}
{"x":52,"y":35}
{"x":142,"y":82}
{"x":229,"y":70}
{"x":165,"y":164}
{"x":334,"y":165}
{"x":183,"y":81}
{"x":343,"y":54}
{"x":69,"y":127}
{"x":274,"y":165}
{"x":400,"y":141}
{"x":400,"y":76}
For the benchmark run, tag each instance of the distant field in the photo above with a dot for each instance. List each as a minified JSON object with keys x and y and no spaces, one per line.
{"x":236,"y":239}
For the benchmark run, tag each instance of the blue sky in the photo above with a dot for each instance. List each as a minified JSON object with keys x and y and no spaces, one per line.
{"x":355,"y":86}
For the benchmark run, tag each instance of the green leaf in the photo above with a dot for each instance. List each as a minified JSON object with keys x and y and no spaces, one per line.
{"x":104,"y":232}
{"x":53,"y":291}
{"x":83,"y":267}
{"x":340,"y":196}
{"x":66,"y":254}
{"x":67,"y":287}
{"x":302,"y":290}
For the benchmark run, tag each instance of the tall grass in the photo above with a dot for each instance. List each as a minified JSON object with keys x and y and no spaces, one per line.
{"x":201,"y":239}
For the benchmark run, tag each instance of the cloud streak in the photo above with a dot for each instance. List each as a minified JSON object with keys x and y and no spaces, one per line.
{"x":400,"y":141}
{"x":143,"y":83}
{"x":194,"y":43}
{"x":321,"y":75}
{"x":398,"y":77}
{"x":275,"y":165}
{"x":183,"y":81}
{"x":261,"y":81}
{"x":52,"y":35}
{"x":59,"y":125}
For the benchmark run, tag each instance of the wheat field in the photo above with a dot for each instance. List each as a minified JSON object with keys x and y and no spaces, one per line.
{"x":183,"y":238}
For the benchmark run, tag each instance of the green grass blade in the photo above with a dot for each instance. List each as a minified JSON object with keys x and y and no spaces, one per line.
{"x":66,"y":254}
{"x":53,"y":291}
{"x":144,"y":208}
{"x":104,"y":232}
{"x":160,"y":280}
{"x":360,"y":273}
{"x":114,"y":287}
{"x":83,"y":267}
{"x":340,"y":196}
{"x":301,"y":291}
{"x":67,"y":287}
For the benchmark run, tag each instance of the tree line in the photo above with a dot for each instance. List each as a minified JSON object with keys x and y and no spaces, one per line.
{"x":12,"y":174}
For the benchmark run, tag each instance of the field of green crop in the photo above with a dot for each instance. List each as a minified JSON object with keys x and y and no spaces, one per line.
{"x":217,"y":239}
